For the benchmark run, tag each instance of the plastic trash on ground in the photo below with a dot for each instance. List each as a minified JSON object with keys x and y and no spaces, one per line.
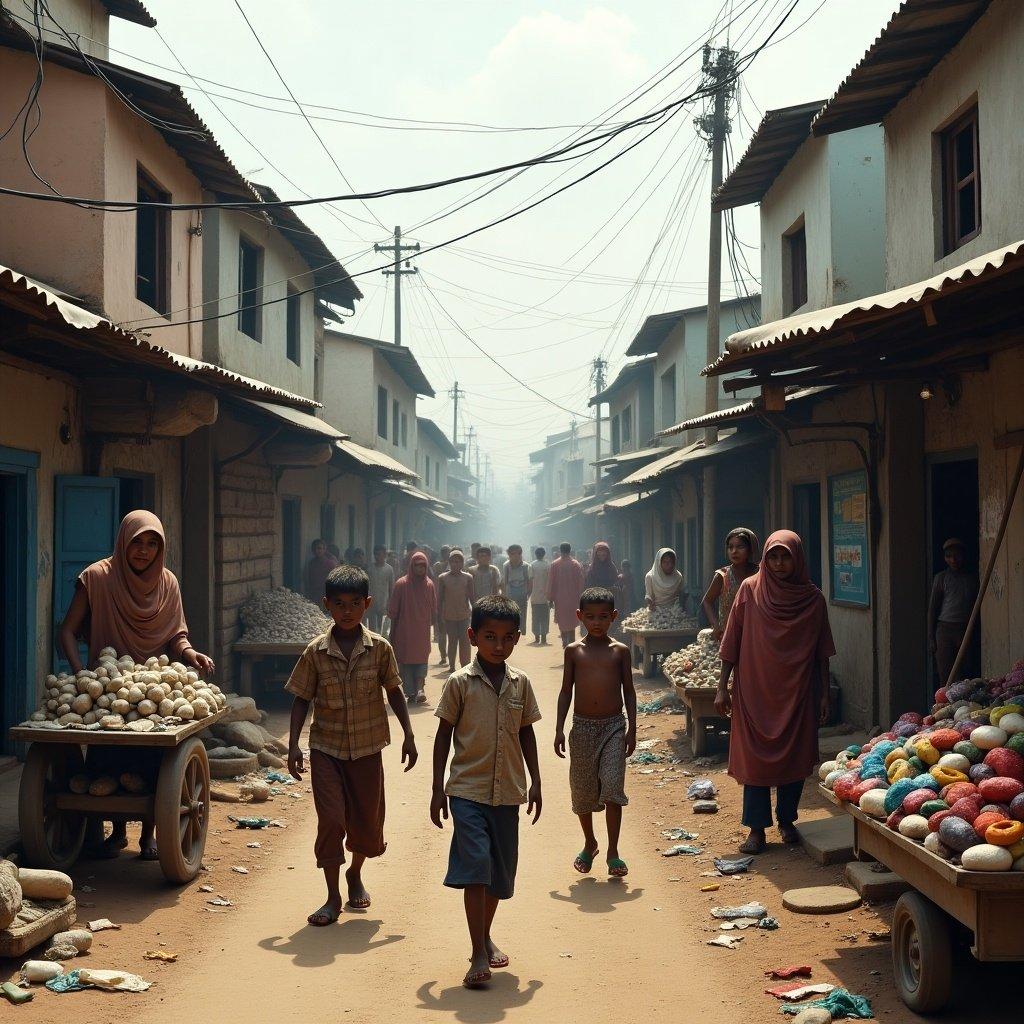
{"x":701,"y":789}
{"x":682,"y":848}
{"x":678,"y":834}
{"x":733,"y":865}
{"x":754,"y":909}
{"x":840,"y":1003}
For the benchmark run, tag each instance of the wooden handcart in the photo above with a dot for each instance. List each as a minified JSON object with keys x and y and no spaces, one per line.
{"x":647,"y":644}
{"x":701,"y":716}
{"x":989,"y":905}
{"x":252,"y":654}
{"x":53,"y":819}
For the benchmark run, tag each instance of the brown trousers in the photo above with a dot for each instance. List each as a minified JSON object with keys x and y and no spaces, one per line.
{"x":349,"y":801}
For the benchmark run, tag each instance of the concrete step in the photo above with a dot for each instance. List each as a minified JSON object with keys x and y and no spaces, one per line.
{"x":875,"y":882}
{"x":828,"y":840}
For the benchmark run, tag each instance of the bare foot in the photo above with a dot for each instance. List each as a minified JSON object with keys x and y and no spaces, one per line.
{"x":495,"y":958}
{"x":755,"y":842}
{"x":358,"y":897}
{"x":479,"y":972}
{"x":327,"y":914}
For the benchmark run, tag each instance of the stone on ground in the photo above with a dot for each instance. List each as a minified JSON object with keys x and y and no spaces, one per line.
{"x":813,"y":1015}
{"x":828,"y":840}
{"x":821,"y":899}
{"x":875,"y":885}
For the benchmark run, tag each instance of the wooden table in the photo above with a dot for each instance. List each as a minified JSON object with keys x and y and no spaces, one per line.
{"x":52,"y":819}
{"x":647,"y":644}
{"x":251,"y":654}
{"x":701,"y":716}
{"x":990,"y":904}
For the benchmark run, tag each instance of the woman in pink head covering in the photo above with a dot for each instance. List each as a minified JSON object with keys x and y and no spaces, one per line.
{"x":132,"y":602}
{"x":776,"y":648}
{"x":412,"y":610}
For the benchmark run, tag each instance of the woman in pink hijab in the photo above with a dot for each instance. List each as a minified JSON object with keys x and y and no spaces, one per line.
{"x":412,"y":610}
{"x":776,"y":648}
{"x":132,"y":602}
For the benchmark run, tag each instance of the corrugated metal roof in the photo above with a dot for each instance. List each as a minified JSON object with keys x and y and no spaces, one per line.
{"x":919,"y":34}
{"x":657,"y":328}
{"x":295,"y":418}
{"x":47,"y":306}
{"x":635,"y":456}
{"x":738,"y":412}
{"x":130,"y":10}
{"x":779,"y":135}
{"x":444,"y":517}
{"x":369,"y":458}
{"x":743,"y":348}
{"x":696,"y":452}
{"x":626,"y":500}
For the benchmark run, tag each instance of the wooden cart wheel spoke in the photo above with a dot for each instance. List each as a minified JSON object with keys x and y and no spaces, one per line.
{"x":181,"y":796}
{"x":52,"y":838}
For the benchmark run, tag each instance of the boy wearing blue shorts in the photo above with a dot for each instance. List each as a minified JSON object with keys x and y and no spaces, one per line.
{"x":488,"y":709}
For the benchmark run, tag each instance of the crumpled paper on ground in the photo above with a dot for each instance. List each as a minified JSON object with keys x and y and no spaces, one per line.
{"x":795,"y":991}
{"x":86,"y":977}
{"x":840,"y":1003}
{"x":726,"y":941}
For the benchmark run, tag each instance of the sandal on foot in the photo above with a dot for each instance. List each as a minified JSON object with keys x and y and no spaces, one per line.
{"x":753,"y":845}
{"x":421,"y":698}
{"x":476,"y":979}
{"x":498,"y":962}
{"x":617,"y":868}
{"x":584,"y":861}
{"x":324,"y":916}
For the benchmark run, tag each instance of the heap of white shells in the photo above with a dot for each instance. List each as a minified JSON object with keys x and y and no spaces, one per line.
{"x":697,"y":664}
{"x":281,"y":616}
{"x":119,"y":693}
{"x":669,"y":617}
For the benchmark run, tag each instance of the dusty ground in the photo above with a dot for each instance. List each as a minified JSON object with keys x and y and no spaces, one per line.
{"x":582,"y":948}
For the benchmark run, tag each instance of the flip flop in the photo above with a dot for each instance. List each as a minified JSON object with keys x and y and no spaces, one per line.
{"x":586,"y":858}
{"x":753,"y":845}
{"x":617,"y":868}
{"x":476,"y":980}
{"x":498,"y":962}
{"x":328,"y":913}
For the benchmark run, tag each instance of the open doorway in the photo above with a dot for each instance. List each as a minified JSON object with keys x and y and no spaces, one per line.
{"x":953,"y":511}
{"x":807,"y":524}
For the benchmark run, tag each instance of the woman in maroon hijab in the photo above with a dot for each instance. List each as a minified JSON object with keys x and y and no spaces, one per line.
{"x":776,"y":648}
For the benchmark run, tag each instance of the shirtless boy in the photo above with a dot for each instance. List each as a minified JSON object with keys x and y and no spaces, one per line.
{"x":598,"y":681}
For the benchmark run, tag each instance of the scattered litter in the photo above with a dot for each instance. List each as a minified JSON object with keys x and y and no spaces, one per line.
{"x":69,"y":982}
{"x":273,"y":776}
{"x":102,"y":925}
{"x":277,"y":823}
{"x":565,"y":956}
{"x":159,"y":954}
{"x":238,"y":870}
{"x":880,"y":935}
{"x":840,"y":1003}
{"x":219,"y":901}
{"x":712,"y":887}
{"x":33,"y":972}
{"x":740,"y":924}
{"x":794,"y":991}
{"x":726,"y":941}
{"x":14,"y":994}
{"x":705,"y":807}
{"x":647,"y":744}
{"x":206,"y":888}
{"x":112,"y":981}
{"x":701,"y":789}
{"x":646,"y":757}
{"x":768,"y":924}
{"x":733,"y":865}
{"x":665,"y":702}
{"x":253,"y":846}
{"x":677,"y":834}
{"x":682,"y":848}
{"x":251,"y":822}
{"x":796,"y":971}
{"x":754,"y":910}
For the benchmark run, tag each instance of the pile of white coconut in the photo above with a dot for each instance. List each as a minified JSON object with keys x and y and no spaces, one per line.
{"x":281,"y":616}
{"x":669,"y":617}
{"x":697,"y":664}
{"x":119,"y":693}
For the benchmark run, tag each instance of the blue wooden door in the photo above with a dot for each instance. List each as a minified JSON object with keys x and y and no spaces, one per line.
{"x":84,"y":529}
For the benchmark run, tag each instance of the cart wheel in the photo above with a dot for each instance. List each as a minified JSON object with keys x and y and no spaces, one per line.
{"x":51,"y":838}
{"x":182,"y":810}
{"x":922,"y":953}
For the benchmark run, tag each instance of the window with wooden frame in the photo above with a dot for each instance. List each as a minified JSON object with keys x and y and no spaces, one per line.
{"x":152,"y":244}
{"x":405,"y":431}
{"x":626,"y":433}
{"x":616,"y":442}
{"x":382,"y":412}
{"x":250,"y":288}
{"x":794,"y":251}
{"x":961,"y":181}
{"x":293,"y":326}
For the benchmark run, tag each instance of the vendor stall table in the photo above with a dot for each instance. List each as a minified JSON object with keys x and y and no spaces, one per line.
{"x":989,"y":904}
{"x":53,"y":819}
{"x":647,"y":644}
{"x":251,"y":654}
{"x":701,"y":716}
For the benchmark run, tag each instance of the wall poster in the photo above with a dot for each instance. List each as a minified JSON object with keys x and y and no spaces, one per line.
{"x":848,"y":539}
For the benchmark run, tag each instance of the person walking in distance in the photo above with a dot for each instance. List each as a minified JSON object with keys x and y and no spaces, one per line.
{"x":455,"y":602}
{"x":346,"y":674}
{"x":382,"y":582}
{"x":515,"y":578}
{"x":540,"y":609}
{"x":486,"y":578}
{"x":413,"y":611}
{"x":488,"y":709}
{"x":317,"y":569}
{"x":775,"y":650}
{"x":565,"y":584}
{"x":597,"y":680}
{"x":439,"y":567}
{"x":627,"y":588}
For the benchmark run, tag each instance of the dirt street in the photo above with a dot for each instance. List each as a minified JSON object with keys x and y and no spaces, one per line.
{"x":582,"y":948}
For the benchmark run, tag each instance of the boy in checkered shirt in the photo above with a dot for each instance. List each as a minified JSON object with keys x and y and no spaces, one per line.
{"x":346,"y":674}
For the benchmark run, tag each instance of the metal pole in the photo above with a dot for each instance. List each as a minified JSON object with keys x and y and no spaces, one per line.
{"x":398,"y":285}
{"x":455,"y":415}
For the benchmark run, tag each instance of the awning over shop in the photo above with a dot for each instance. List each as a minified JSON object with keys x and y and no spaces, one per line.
{"x":951,"y":320}
{"x":694,"y":453}
{"x":296,"y":419}
{"x":743,"y":411}
{"x":409,"y":491}
{"x":628,"y":500}
{"x":625,"y":458}
{"x":444,"y":517}
{"x":369,"y":458}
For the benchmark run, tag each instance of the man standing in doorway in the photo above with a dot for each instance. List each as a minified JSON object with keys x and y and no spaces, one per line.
{"x":954,"y":591}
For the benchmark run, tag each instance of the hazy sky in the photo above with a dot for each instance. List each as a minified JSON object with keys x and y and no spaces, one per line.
{"x":513,"y":64}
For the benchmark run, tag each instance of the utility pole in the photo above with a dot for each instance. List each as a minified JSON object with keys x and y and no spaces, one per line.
{"x":455,"y":393}
{"x":479,"y":488}
{"x":469,"y":445}
{"x":487,"y":476}
{"x":720,"y":75}
{"x":599,"y":369}
{"x":396,"y":248}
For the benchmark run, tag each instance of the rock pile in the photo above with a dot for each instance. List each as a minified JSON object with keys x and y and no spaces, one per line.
{"x":281,"y":616}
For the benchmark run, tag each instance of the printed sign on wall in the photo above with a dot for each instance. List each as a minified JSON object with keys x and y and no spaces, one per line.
{"x":848,"y":539}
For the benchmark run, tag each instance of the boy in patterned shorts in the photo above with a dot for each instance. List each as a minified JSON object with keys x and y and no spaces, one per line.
{"x":597,"y":680}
